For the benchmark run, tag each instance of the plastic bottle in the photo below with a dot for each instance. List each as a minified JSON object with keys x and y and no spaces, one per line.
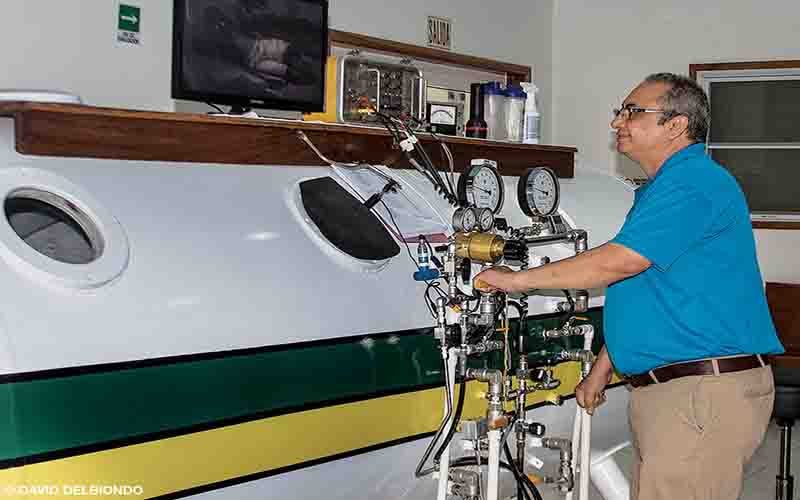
{"x":494,"y":103}
{"x":532,"y":118}
{"x":515,"y":112}
{"x":476,"y":126}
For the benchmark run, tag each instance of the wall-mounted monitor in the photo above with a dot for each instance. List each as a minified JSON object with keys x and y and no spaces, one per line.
{"x":251,"y":53}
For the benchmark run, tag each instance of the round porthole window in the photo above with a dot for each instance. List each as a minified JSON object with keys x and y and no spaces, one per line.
{"x":53,"y":226}
{"x":55,"y":232}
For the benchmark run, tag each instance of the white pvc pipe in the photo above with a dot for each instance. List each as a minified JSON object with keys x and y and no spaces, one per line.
{"x":576,"y":433}
{"x":444,"y":464}
{"x":582,"y":437}
{"x":493,"y":481}
{"x":586,"y":434}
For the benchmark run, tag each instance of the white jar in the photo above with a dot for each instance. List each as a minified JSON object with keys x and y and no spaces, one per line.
{"x":515,"y":113}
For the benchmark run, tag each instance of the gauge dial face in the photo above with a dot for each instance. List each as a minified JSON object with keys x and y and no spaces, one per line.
{"x":465,"y":219}
{"x":485,"y":219}
{"x":538,"y":192}
{"x":481,"y":187}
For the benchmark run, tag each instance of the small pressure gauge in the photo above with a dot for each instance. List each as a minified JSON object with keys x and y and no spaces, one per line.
{"x":481,"y":186}
{"x":465,"y":219}
{"x":538,"y":192}
{"x":485,"y":219}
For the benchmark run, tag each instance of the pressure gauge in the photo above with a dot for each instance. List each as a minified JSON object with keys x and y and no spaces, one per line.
{"x":485,"y":219}
{"x":538,"y":192}
{"x":465,"y":219}
{"x":481,"y":186}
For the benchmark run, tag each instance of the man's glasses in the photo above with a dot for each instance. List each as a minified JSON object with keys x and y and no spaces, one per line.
{"x":631,"y":111}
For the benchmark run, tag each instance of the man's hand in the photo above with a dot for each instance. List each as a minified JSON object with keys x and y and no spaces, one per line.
{"x":495,"y":278}
{"x":591,"y":392}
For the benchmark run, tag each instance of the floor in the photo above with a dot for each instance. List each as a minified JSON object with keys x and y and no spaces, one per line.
{"x":759,"y":483}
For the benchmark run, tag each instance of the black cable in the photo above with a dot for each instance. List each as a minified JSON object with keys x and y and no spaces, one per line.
{"x":428,"y":171}
{"x":411,"y":256}
{"x":448,"y":192}
{"x":571,"y":303}
{"x":390,"y":126}
{"x":521,"y":477}
{"x":216,"y":107}
{"x":400,"y":235}
{"x":427,"y":160}
{"x":523,"y":317}
{"x":468,"y":461}
{"x":438,"y":139}
{"x":456,"y":418}
{"x":428,"y":301}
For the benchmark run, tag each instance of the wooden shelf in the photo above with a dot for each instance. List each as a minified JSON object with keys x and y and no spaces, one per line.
{"x":515,"y":73}
{"x":90,"y":132}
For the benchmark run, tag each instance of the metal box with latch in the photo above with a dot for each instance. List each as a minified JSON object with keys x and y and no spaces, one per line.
{"x":367,"y":85}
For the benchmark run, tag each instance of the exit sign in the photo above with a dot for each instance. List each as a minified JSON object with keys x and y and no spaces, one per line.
{"x":440,"y":32}
{"x":129,"y":18}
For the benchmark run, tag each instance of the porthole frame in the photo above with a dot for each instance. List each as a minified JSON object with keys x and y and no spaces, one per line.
{"x":38,"y":267}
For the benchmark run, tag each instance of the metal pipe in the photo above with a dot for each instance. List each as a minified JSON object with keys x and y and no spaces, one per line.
{"x":536,"y":241}
{"x":784,"y":488}
{"x":568,"y":331}
{"x":566,"y":480}
{"x":581,"y":239}
{"x":488,"y":346}
{"x":581,"y":301}
{"x":522,"y":380}
{"x":444,"y":463}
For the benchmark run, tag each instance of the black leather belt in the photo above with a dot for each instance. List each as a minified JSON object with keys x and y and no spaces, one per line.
{"x":702,"y":367}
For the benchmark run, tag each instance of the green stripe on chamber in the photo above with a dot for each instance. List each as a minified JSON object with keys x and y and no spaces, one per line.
{"x":105,"y":408}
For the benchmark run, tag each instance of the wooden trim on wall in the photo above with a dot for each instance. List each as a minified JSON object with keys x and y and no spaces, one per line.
{"x":760,"y":224}
{"x":738,"y":66}
{"x":514,"y":72}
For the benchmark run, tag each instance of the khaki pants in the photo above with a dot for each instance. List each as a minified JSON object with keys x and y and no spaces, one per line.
{"x":693,"y":435}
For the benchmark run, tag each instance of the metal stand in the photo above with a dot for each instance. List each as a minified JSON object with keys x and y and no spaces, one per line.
{"x":784,"y":488}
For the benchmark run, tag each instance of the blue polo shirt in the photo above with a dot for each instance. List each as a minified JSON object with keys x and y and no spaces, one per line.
{"x":703,"y":295}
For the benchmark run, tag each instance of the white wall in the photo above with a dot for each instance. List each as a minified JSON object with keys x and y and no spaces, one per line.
{"x":514,"y":31}
{"x":601,"y":50}
{"x":70,"y":44}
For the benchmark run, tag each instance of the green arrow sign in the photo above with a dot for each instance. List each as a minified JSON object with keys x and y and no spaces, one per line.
{"x":129,"y":18}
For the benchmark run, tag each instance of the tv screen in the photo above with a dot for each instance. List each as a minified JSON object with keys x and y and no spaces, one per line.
{"x":251,"y":53}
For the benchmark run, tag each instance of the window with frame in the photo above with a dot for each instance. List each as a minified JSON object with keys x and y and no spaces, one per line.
{"x":755,"y":134}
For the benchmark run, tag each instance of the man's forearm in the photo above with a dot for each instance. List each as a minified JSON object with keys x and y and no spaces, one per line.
{"x":602,"y":364}
{"x":596,"y":268}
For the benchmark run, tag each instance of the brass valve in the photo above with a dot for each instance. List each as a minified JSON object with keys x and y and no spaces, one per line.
{"x":480,"y":247}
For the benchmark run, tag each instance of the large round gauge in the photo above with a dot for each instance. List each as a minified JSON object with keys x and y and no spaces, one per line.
{"x":538,"y":192}
{"x":482,"y":187}
{"x":464,"y":219}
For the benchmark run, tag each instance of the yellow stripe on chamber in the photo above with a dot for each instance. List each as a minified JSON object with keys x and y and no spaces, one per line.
{"x":204,"y":458}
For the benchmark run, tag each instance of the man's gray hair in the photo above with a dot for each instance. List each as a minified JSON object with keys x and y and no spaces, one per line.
{"x":684,"y":97}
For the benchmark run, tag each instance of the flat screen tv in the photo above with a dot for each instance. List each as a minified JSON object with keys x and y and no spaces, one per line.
{"x":251,"y":53}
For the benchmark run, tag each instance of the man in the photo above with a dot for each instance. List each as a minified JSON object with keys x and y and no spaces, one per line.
{"x":686,"y":318}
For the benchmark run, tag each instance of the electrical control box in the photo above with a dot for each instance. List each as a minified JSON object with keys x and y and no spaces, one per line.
{"x":366,"y":85}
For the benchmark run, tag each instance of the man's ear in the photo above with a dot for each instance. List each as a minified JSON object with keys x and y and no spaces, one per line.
{"x":677,"y":126}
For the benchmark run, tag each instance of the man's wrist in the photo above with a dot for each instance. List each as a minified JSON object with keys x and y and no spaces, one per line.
{"x":516,"y":282}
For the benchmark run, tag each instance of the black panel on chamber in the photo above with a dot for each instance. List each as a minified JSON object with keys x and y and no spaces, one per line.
{"x":345,"y":221}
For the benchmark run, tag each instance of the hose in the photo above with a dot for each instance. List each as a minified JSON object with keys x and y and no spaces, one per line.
{"x":456,"y":419}
{"x":467,"y":461}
